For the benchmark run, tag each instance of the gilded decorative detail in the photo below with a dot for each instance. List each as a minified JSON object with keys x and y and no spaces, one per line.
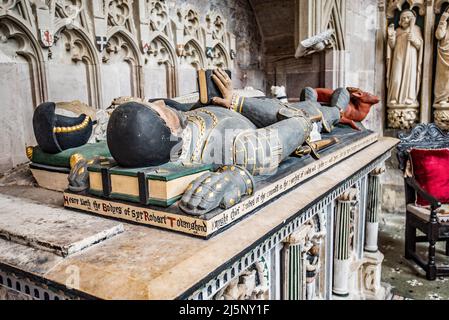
{"x":74,"y":159}
{"x":29,"y":153}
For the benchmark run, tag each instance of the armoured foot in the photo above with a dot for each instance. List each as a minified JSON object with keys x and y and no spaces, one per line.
{"x":309,"y":94}
{"x":340,"y":99}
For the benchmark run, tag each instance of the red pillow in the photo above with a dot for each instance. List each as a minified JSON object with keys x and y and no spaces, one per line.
{"x":431,"y":171}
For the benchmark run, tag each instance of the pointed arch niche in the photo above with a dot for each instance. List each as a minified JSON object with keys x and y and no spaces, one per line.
{"x":73,"y":69}
{"x":220,"y":57}
{"x":21,"y":79}
{"x":193,"y":59}
{"x":121,"y":68}
{"x":160,"y":69}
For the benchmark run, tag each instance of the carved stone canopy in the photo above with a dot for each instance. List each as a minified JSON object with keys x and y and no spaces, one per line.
{"x":398,"y":5}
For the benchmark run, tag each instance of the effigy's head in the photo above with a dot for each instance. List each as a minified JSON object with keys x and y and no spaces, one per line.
{"x":143,"y":134}
{"x":360,"y":96}
{"x":361,"y":104}
{"x":58,"y":129}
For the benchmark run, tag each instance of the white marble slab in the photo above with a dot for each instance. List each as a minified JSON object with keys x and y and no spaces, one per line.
{"x":52,"y":229}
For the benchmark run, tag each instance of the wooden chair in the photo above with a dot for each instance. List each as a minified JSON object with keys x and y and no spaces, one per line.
{"x":423,"y":136}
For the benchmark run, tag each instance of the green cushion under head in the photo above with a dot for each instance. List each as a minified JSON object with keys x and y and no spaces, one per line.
{"x":62,"y":159}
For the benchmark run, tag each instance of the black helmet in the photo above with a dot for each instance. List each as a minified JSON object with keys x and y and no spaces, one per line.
{"x":138,"y":137}
{"x":56,"y":133}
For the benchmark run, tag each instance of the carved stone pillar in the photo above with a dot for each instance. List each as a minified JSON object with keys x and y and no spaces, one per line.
{"x":342,"y":247}
{"x":373,"y":210}
{"x":371,"y":269}
{"x":302,"y":264}
{"x":293,"y":270}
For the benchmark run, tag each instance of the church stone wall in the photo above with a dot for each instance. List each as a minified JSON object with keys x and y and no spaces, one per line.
{"x":364,"y":55}
{"x":94,"y":51}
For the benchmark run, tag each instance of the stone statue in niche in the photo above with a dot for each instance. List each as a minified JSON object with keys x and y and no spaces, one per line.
{"x":405,"y":46}
{"x":442,"y":73}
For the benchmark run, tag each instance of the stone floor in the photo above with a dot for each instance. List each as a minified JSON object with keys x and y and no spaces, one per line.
{"x":406,"y":278}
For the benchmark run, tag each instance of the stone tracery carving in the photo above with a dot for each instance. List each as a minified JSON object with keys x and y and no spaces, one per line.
{"x":189,"y":17}
{"x":159,"y":52}
{"x":72,"y":49}
{"x":120,"y":49}
{"x":25,"y":47}
{"x":216,"y":26}
{"x":118,"y":12}
{"x":18,"y":9}
{"x":69,"y":8}
{"x":117,"y":44}
{"x":6,"y":5}
{"x":252,"y":284}
{"x":69,"y":14}
{"x":158,"y":15}
{"x":26,"y":79}
{"x":217,"y":41}
{"x":76,"y":46}
{"x":188,"y":28}
{"x":193,"y":55}
{"x":219,"y":58}
{"x":162,"y":45}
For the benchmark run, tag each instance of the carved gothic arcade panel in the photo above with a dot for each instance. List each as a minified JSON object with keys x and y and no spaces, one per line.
{"x":71,"y":68}
{"x":160,"y":69}
{"x":217,"y":39}
{"x":190,"y":39}
{"x":120,"y":56}
{"x":97,"y":50}
{"x":120,"y":69}
{"x":154,"y":45}
{"x":160,"y":65}
{"x":19,"y":72}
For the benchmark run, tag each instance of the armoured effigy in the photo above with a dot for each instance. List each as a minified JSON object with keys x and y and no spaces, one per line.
{"x":242,"y":137}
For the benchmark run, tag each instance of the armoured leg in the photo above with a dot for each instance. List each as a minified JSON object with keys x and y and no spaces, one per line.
{"x":261,"y":151}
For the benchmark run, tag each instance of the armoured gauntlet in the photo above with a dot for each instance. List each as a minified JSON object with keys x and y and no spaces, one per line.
{"x":224,"y":189}
{"x":79,"y":176}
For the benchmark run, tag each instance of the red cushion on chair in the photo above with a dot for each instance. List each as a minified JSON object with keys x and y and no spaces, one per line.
{"x":431,"y":171}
